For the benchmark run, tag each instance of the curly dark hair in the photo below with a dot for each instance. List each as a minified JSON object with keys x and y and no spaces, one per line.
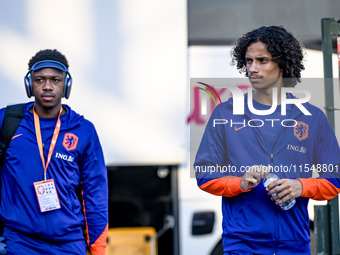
{"x":48,"y":55}
{"x":282,"y":45}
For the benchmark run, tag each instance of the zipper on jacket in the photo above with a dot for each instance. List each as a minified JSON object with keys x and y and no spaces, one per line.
{"x":276,"y":223}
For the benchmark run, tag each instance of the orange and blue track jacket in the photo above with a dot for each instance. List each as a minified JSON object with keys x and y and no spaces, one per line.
{"x":78,"y":170}
{"x":304,"y":144}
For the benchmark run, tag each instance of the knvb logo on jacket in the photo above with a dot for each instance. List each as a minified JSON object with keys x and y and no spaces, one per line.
{"x":70,"y":141}
{"x":301,"y":130}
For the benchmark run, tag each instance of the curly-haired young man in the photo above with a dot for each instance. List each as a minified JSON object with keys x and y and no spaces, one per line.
{"x":253,"y":221}
{"x":54,"y":179}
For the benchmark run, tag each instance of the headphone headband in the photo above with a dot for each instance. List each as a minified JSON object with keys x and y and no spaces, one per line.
{"x":48,"y":64}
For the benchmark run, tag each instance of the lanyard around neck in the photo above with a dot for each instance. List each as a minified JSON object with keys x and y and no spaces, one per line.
{"x":39,"y":138}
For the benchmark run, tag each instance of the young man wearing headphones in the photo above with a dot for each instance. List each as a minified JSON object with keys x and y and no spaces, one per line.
{"x":54,"y":193}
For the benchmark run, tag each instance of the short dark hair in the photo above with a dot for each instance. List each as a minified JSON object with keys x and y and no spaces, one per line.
{"x":282,"y":45}
{"x":48,"y":54}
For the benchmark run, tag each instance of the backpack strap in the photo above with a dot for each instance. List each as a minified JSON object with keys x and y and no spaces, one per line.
{"x":10,"y":124}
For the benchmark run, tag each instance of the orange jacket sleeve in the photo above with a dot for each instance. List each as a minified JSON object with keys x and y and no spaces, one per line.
{"x":318,"y":189}
{"x":227,"y":186}
{"x":99,"y":246}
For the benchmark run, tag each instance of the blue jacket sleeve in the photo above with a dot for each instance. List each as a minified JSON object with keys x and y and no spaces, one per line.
{"x":95,"y":194}
{"x":2,"y":115}
{"x":212,"y":152}
{"x":211,"y":160}
{"x":327,"y":153}
{"x":326,"y":163}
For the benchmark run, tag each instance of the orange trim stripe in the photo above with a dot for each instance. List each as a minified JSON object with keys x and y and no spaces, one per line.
{"x":318,"y":189}
{"x":99,"y":246}
{"x":228,"y":186}
{"x":87,"y":229}
{"x":16,"y":136}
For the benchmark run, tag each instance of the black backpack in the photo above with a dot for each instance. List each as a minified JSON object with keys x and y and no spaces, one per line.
{"x":10,"y":124}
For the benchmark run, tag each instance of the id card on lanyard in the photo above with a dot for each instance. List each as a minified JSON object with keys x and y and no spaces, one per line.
{"x":45,"y":190}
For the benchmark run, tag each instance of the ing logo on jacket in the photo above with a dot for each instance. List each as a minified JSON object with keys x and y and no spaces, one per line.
{"x":70,"y":141}
{"x":301,"y":130}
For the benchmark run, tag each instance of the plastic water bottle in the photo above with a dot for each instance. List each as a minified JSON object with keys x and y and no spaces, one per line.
{"x":286,"y":205}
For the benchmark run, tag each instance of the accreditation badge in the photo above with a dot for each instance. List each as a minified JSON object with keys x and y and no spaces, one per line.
{"x":47,"y":195}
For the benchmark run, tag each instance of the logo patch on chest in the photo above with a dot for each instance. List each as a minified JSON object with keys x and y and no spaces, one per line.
{"x":70,"y":141}
{"x":301,"y":130}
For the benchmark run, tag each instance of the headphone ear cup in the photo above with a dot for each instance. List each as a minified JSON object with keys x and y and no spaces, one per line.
{"x":68,"y":85}
{"x":28,"y":86}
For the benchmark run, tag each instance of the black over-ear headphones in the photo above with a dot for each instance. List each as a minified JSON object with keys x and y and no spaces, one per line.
{"x":48,"y":64}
